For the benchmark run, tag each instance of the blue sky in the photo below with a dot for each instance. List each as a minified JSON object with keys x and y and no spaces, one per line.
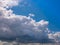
{"x":43,"y":9}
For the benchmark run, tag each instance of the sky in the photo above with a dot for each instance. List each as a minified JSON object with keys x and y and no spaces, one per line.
{"x":30,"y":20}
{"x":42,"y":9}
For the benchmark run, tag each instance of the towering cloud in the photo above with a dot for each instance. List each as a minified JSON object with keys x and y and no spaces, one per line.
{"x":17,"y":26}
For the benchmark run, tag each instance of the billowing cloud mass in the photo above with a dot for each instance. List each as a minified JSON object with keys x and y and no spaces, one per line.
{"x":25,"y":28}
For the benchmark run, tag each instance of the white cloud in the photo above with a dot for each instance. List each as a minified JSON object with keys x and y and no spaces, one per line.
{"x":31,"y":15}
{"x":8,"y":3}
{"x":55,"y":36}
{"x":12,"y":25}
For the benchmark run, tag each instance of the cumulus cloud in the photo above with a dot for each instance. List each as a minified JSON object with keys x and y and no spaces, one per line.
{"x":15,"y":25}
{"x":22,"y":27}
{"x":8,"y":3}
{"x":55,"y":36}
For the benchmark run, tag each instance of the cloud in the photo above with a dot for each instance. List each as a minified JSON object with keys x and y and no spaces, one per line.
{"x":31,"y":15}
{"x":25,"y":28}
{"x":8,"y":3}
{"x":55,"y":36}
{"x":18,"y":25}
